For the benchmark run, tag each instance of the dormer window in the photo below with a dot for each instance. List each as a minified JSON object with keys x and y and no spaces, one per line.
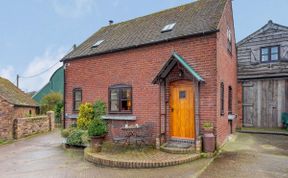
{"x":270,"y":54}
{"x":168,"y":27}
{"x":97,"y":43}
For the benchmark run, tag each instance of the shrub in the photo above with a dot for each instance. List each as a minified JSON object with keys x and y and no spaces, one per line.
{"x":97,"y":128}
{"x":75,"y":138}
{"x":99,"y":109}
{"x":58,"y":112}
{"x":86,"y":115}
{"x":66,"y":132}
{"x":85,"y":138}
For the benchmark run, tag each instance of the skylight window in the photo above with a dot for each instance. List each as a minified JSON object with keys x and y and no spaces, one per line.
{"x":97,"y":43}
{"x":168,"y":27}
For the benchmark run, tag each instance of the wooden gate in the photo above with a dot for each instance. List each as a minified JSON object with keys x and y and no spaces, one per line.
{"x":263,"y":103}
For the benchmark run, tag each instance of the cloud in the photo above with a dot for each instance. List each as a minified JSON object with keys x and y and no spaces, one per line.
{"x":73,"y":8}
{"x":39,"y":64}
{"x":8,"y":72}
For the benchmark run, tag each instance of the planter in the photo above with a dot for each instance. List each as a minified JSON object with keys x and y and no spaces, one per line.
{"x":209,"y":142}
{"x":96,"y":143}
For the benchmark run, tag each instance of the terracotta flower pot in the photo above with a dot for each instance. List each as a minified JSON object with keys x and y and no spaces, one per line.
{"x":96,"y":143}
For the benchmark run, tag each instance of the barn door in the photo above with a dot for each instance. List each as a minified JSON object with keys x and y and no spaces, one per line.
{"x":248,"y":104}
{"x":263,"y":103}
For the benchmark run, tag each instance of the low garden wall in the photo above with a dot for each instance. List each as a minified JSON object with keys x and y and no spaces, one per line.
{"x":24,"y":127}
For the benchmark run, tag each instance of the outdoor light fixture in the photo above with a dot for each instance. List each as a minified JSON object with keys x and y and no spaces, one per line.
{"x":181,"y":73}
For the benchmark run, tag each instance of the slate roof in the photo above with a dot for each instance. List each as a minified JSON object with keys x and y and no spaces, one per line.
{"x":195,"y":18}
{"x":14,"y":95}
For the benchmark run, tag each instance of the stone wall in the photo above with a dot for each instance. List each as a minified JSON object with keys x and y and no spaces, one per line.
{"x":6,"y":120}
{"x":24,"y":127}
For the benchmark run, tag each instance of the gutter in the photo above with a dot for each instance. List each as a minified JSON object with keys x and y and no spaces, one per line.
{"x":142,"y":45}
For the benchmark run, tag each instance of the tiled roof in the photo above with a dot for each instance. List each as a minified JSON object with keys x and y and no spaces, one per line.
{"x":195,"y":18}
{"x":14,"y":95}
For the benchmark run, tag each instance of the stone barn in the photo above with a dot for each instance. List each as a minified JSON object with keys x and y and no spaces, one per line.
{"x":14,"y":103}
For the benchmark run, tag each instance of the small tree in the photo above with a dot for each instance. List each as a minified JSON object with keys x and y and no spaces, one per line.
{"x":49,"y":102}
{"x":86,"y":115}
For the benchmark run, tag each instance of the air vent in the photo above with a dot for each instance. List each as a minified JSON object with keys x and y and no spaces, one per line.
{"x":168,"y":27}
{"x":97,"y":43}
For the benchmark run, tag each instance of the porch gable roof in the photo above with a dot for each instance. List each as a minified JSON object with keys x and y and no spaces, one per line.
{"x":171,"y":63}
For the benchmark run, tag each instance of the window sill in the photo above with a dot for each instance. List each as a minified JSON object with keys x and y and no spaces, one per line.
{"x":119,"y":117}
{"x":71,"y":116}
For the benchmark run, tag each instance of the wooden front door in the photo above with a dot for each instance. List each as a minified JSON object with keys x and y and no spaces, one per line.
{"x":182,"y":110}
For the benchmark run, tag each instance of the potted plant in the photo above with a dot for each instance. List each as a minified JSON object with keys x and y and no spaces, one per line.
{"x":209,"y":137}
{"x":208,"y":127}
{"x":97,"y":131}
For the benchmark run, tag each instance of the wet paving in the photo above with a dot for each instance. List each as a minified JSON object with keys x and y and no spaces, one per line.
{"x":42,"y":156}
{"x":251,"y":156}
{"x":248,"y":156}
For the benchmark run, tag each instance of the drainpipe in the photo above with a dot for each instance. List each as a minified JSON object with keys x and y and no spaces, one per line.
{"x":64,"y":97}
{"x":160,"y":112}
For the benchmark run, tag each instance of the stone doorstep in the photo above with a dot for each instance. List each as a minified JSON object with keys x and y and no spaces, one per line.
{"x":101,"y":160}
{"x":177,"y":150}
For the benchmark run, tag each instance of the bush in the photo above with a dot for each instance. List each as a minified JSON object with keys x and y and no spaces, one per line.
{"x":58,"y":112}
{"x":99,"y":109}
{"x":97,"y":128}
{"x":75,"y":138}
{"x":86,"y":115}
{"x":66,"y":132}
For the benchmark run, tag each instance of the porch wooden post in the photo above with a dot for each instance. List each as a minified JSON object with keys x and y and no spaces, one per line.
{"x":197,"y":103}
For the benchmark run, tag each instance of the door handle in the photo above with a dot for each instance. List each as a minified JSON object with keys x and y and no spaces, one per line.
{"x":172,"y":109}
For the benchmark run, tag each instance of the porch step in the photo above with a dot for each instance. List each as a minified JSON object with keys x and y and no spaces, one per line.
{"x":178,"y":147}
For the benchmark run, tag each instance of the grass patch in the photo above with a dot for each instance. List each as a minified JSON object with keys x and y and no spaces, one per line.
{"x":265,"y":129}
{"x":4,"y":142}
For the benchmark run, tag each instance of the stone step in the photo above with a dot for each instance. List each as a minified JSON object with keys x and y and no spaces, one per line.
{"x":178,"y":147}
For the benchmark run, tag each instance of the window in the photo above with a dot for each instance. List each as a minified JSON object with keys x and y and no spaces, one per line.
{"x":230,"y":100}
{"x":270,"y":54}
{"x":77,"y":98}
{"x":97,"y":43}
{"x":222,"y":99}
{"x":229,"y":40}
{"x":120,"y":99}
{"x":168,"y":27}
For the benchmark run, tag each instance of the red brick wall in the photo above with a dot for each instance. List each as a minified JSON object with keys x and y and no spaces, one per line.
{"x":138,"y":67}
{"x":226,"y":73}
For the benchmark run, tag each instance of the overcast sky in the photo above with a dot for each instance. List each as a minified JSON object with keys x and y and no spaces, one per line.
{"x":35,"y":34}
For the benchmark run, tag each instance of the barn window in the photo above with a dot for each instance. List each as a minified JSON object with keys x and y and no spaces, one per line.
{"x":77,"y":98}
{"x":230,"y":100}
{"x":120,"y":99}
{"x":270,"y":54}
{"x":222,"y":99}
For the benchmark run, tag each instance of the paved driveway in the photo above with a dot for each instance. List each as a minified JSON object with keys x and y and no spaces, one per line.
{"x":42,"y":156}
{"x":252,"y":156}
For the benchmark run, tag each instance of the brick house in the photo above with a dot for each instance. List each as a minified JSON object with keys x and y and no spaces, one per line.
{"x":174,"y":70}
{"x":14,"y":103}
